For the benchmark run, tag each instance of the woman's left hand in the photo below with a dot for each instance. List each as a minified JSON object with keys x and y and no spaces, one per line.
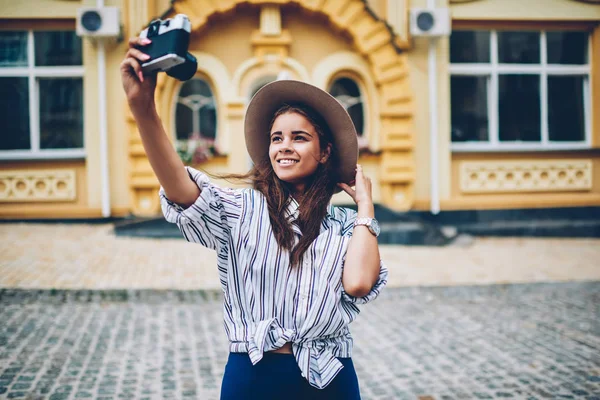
{"x":361,"y":194}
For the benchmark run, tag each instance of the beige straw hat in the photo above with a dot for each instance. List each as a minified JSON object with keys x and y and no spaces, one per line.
{"x":272,"y":96}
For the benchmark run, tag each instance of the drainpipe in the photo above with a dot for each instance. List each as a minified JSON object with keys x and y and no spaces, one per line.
{"x":102,"y":114}
{"x":433,"y":122}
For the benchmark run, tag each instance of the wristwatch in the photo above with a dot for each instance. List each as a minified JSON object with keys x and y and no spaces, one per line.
{"x":370,"y":223}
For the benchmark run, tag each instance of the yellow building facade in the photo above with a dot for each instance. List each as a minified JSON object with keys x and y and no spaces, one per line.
{"x":514,"y":124}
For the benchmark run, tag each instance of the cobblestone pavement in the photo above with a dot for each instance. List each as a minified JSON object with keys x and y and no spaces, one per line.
{"x":77,"y":256}
{"x":526,"y":341}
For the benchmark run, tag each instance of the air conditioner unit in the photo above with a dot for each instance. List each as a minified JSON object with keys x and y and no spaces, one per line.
{"x":98,"y":22}
{"x":430,"y":22}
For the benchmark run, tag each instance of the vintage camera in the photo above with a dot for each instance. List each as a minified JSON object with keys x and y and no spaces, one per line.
{"x":169,"y":48}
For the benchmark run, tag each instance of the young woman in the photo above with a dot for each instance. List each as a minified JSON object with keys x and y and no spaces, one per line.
{"x":292,"y":267}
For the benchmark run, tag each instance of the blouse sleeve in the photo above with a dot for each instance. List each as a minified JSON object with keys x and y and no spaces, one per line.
{"x":211,"y":218}
{"x":347,"y":229}
{"x":375,"y":290}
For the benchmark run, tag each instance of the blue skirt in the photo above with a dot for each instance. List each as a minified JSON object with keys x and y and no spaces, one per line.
{"x":277,"y":376}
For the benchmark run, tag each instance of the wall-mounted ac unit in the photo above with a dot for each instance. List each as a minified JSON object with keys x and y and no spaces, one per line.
{"x":430,"y":22}
{"x":98,"y":22}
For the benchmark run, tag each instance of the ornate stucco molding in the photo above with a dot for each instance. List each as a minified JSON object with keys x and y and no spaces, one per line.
{"x":37,"y":185}
{"x":525,"y":176}
{"x":373,"y":40}
{"x":270,"y":20}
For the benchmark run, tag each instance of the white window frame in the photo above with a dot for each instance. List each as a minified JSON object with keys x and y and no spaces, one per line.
{"x":362,"y":96}
{"x":176,"y":102}
{"x":32,"y":73}
{"x":493,"y":69}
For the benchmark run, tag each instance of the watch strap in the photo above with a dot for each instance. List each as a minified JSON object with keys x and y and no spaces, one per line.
{"x":368,"y":222}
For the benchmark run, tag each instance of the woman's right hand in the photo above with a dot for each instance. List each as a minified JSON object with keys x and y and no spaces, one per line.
{"x":139,"y":89}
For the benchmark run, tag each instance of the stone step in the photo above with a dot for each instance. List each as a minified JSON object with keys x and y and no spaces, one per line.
{"x":421,"y":228}
{"x":408,"y":233}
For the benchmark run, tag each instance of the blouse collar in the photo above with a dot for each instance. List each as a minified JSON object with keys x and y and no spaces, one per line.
{"x":293,"y":211}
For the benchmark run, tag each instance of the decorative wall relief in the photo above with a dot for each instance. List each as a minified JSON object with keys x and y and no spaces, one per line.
{"x":37,"y":185}
{"x":372,"y":39}
{"x":525,"y":176}
{"x":397,"y":15}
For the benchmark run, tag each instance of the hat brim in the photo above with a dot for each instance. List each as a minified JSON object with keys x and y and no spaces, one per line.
{"x":272,"y":96}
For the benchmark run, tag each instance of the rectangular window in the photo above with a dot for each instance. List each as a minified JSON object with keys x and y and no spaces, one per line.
{"x":520,"y":90}
{"x":41,"y":94}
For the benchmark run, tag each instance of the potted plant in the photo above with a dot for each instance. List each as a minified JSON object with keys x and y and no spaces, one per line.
{"x":196,"y":149}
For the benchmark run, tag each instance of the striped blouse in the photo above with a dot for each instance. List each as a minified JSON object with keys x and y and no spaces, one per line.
{"x":267,"y":303}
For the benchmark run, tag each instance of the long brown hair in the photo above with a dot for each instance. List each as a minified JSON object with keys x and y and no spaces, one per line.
{"x":318,"y":192}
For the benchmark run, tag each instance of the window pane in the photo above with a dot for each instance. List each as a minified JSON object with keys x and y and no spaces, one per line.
{"x":567,"y":47}
{"x":519,"y":107}
{"x":566,"y":117}
{"x":470,"y":47}
{"x":469,"y":108}
{"x":184,"y":118}
{"x":346,"y":91}
{"x":13,"y":49}
{"x":260,"y":83}
{"x":57,"y":48}
{"x":61,"y":113}
{"x":519,"y":47}
{"x":196,"y":113}
{"x":14,"y":114}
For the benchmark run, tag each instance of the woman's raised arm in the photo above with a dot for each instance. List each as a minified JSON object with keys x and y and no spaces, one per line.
{"x":165,"y":162}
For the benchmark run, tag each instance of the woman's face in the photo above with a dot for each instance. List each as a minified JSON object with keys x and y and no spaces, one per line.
{"x":295,"y":149}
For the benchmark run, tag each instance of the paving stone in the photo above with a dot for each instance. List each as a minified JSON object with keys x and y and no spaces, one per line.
{"x":531,"y":341}
{"x":20,"y":386}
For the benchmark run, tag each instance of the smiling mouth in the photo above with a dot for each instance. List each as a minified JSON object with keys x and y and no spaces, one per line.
{"x":287,"y":161}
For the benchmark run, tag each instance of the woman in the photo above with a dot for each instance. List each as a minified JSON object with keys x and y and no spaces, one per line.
{"x":292,"y":267}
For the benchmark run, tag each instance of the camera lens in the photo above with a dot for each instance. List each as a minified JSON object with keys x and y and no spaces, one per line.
{"x":153,"y":28}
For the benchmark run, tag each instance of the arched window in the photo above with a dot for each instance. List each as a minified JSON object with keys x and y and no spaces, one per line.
{"x":260,"y":83}
{"x":196,"y":111}
{"x":346,"y":91}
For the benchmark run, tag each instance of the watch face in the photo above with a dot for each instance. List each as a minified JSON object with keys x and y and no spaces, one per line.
{"x":374,"y":226}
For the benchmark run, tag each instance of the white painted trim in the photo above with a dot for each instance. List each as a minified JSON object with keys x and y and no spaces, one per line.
{"x":433,"y":122}
{"x":517,"y":146}
{"x":47,"y":154}
{"x":36,"y":127}
{"x":34,"y":110}
{"x":521,"y":69}
{"x":44,"y":72}
{"x":103,"y":128}
{"x":587,"y":112}
{"x":494,"y":123}
{"x":103,"y":124}
{"x":433,"y":128}
{"x":58,"y":72}
{"x":543,"y":90}
{"x":10,"y":72}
